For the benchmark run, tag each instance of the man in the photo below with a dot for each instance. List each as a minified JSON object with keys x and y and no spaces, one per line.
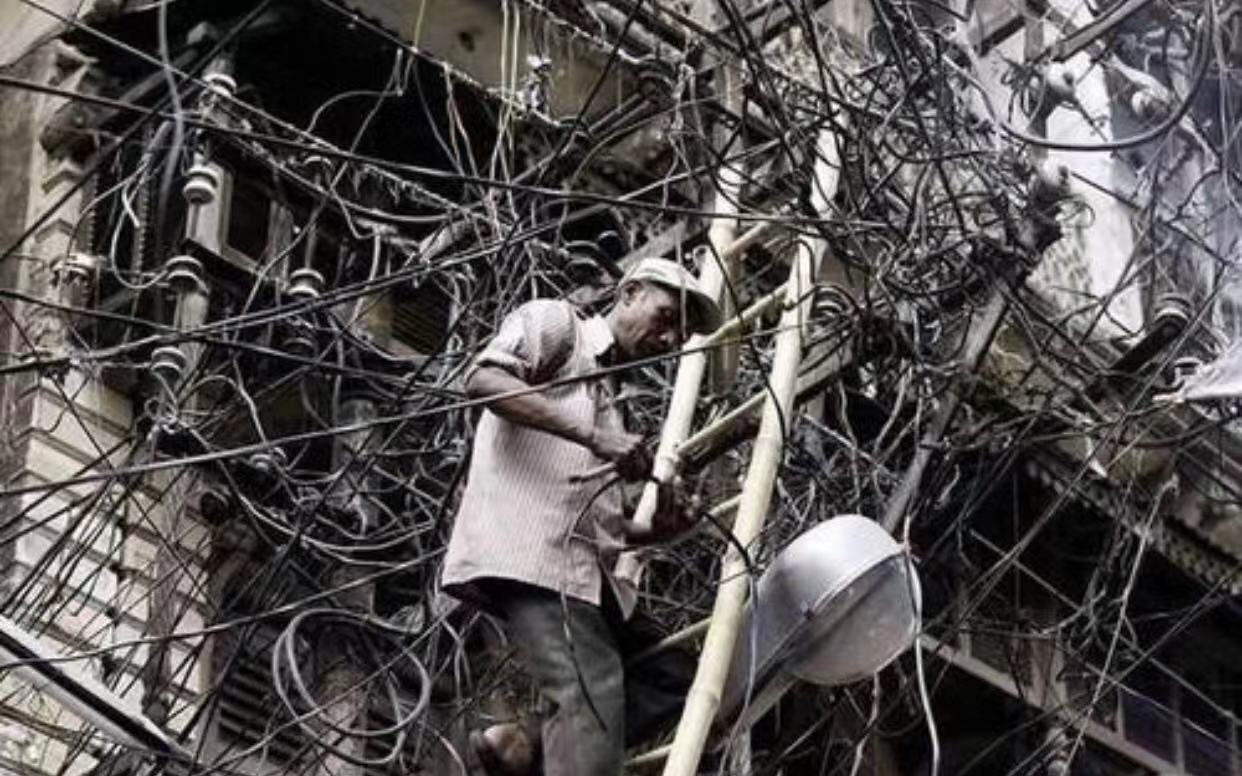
{"x":536,"y":538}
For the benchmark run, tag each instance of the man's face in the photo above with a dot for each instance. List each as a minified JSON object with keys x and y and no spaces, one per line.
{"x":649,"y":320}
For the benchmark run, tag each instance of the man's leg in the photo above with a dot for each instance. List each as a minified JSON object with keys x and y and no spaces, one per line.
{"x":580,"y":674}
{"x":656,"y":686}
{"x":655,"y":694}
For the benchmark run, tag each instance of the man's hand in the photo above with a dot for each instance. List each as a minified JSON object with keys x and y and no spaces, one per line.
{"x":626,"y":452}
{"x":676,"y":513}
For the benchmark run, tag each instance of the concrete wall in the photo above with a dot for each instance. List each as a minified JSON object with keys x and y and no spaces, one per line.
{"x":1103,"y":247}
{"x":74,"y":568}
{"x":20,"y":173}
{"x":1093,"y":257}
{"x":22,"y":26}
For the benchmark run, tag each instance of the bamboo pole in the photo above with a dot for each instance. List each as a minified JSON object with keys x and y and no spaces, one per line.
{"x":705,"y":436}
{"x":688,"y":633}
{"x":748,"y":238}
{"x":649,"y":758}
{"x":748,"y":316}
{"x":692,"y":366}
{"x":703,"y":700}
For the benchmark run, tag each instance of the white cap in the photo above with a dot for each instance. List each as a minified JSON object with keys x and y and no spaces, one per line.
{"x":704,"y":312}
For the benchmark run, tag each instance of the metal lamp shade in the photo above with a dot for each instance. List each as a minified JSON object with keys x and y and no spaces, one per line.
{"x":839,"y":603}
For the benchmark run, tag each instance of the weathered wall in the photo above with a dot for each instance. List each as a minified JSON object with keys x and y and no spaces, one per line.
{"x":89,"y":564}
{"x":74,"y":566}
{"x":22,"y":26}
{"x":18,"y":131}
{"x":476,"y":37}
{"x":1093,"y":257}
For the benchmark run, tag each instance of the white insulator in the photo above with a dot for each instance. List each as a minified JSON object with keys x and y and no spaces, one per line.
{"x":77,"y":267}
{"x":1059,"y":83}
{"x":1058,"y":765}
{"x":75,"y":276}
{"x":539,"y":64}
{"x":168,"y":362}
{"x":305,"y":283}
{"x":300,"y":341}
{"x":1174,"y":308}
{"x":185,"y":274}
{"x":270,"y":462}
{"x":222,"y":84}
{"x":202,"y":184}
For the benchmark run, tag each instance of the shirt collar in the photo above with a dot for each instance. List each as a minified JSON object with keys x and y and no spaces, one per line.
{"x":599,"y":339}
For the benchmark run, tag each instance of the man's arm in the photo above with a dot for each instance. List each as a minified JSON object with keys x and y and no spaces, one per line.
{"x":533,"y":409}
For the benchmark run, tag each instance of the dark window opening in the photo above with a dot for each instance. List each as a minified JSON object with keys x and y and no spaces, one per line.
{"x":420,"y":317}
{"x":249,"y":220}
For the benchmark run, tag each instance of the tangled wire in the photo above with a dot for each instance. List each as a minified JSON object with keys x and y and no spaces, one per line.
{"x":295,"y":452}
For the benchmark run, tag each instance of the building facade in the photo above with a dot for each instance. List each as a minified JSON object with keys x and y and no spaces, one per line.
{"x":249,"y":247}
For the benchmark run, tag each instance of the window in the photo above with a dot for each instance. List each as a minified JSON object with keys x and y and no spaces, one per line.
{"x":420,"y":318}
{"x":1204,"y":727}
{"x":1203,"y":752}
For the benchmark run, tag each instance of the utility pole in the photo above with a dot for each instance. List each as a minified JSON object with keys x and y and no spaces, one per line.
{"x":174,"y":368}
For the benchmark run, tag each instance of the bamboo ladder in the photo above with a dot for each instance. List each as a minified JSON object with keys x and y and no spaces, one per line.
{"x":751,"y":505}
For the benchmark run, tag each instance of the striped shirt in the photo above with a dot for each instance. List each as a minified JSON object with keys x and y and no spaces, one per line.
{"x":521,"y":518}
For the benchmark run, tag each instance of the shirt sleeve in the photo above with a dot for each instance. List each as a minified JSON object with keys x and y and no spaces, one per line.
{"x":533,"y":342}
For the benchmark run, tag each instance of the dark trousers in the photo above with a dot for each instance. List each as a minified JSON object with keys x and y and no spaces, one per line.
{"x":576,"y":653}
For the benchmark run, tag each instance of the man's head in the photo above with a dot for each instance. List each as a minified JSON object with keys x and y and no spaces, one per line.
{"x":659,"y":304}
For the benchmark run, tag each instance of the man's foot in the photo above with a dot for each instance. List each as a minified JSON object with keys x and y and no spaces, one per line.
{"x":505,"y":750}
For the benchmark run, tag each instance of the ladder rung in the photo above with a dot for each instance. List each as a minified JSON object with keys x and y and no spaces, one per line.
{"x":673,"y":639}
{"x":658,"y":755}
